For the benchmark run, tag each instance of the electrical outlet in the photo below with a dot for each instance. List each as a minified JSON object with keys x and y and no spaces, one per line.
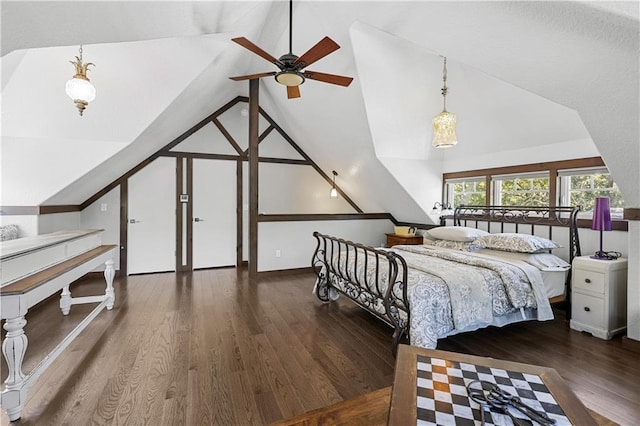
{"x":277,"y":253}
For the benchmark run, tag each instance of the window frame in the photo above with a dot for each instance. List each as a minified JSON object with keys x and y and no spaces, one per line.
{"x":554,"y":169}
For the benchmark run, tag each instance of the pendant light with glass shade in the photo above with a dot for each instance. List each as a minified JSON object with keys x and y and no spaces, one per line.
{"x":79,"y":88}
{"x":334,"y":191}
{"x":444,"y":124}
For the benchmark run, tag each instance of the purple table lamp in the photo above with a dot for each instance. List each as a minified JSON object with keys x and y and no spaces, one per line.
{"x":601,"y":222}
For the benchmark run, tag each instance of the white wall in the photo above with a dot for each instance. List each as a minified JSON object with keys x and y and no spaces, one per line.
{"x":296,"y":243}
{"x":27,"y":224}
{"x":287,"y":188}
{"x":104,"y":213}
{"x":611,"y":241}
{"x":48,"y":223}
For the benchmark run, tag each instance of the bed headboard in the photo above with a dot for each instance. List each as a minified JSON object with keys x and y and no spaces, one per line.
{"x":521,"y":217}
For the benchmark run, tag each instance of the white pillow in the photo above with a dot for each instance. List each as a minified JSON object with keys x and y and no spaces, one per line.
{"x":9,"y":232}
{"x":456,"y":245}
{"x":521,"y":243}
{"x":542,"y":261}
{"x":456,"y":233}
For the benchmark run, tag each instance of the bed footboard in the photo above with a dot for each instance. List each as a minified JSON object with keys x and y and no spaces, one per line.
{"x":374,"y":279}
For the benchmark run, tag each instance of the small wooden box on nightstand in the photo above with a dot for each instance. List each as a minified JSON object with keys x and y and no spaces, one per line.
{"x":599,"y":296}
{"x":396,"y":240}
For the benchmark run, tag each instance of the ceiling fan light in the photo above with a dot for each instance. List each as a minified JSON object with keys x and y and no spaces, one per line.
{"x":289,"y":78}
{"x":444,"y":130}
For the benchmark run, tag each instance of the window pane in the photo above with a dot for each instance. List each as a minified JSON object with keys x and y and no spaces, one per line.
{"x":602,"y":181}
{"x":524,"y":192}
{"x":599,"y":185}
{"x":470,"y":192}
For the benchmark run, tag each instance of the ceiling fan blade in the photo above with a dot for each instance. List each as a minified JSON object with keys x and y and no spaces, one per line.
{"x":257,"y":50}
{"x":329,"y":78}
{"x":252,"y":76}
{"x":319,"y":51}
{"x":293,"y":92}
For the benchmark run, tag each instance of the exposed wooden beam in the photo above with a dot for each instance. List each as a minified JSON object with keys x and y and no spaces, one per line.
{"x":632,"y":213}
{"x":38,"y":210}
{"x":228,"y":136}
{"x":156,"y":154}
{"x":233,"y":157}
{"x":179,"y":215}
{"x":189,"y":218}
{"x":254,"y":119}
{"x":117,"y":182}
{"x":311,"y":217}
{"x":526,"y":168}
{"x":200,"y":155}
{"x":239,"y":214}
{"x":59,"y":209}
{"x":284,"y":161}
{"x":263,"y":135}
{"x":124,"y":225}
{"x":201,"y":124}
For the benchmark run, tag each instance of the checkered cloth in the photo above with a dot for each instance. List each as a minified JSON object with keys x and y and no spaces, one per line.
{"x":442,"y":397}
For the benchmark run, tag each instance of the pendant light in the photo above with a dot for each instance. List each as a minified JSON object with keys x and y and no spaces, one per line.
{"x":79,"y":88}
{"x":334,"y":192}
{"x":444,"y":124}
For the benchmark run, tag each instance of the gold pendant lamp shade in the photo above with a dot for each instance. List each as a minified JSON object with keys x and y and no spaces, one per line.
{"x":444,"y":124}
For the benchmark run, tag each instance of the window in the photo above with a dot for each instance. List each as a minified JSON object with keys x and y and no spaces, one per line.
{"x":471,"y":191}
{"x":580,"y":181}
{"x":580,"y":187}
{"x":521,"y":190}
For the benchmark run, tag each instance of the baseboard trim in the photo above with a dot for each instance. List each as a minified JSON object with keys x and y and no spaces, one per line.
{"x":280,"y":272}
{"x":631,"y":344}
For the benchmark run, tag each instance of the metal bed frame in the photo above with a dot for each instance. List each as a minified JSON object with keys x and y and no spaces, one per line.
{"x":332,"y":255}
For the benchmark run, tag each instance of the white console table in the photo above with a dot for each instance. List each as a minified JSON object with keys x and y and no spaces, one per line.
{"x":32,"y":269}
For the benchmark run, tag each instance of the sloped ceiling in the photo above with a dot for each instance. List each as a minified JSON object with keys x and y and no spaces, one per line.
{"x":522,"y":76}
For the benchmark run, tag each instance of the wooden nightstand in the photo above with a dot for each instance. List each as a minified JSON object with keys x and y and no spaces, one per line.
{"x":599,"y":296}
{"x":396,"y":240}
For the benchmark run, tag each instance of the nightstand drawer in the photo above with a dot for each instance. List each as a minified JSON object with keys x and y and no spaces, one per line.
{"x":588,"y":280}
{"x":396,"y":240}
{"x":588,"y":310}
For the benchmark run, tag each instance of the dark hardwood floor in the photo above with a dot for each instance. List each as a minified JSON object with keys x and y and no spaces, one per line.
{"x":209,"y":348}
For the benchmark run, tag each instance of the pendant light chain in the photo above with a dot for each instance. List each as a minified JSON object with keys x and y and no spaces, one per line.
{"x":444,"y":87}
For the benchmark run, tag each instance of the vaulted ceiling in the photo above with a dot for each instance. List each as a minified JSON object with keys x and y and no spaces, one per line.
{"x":529,"y":81}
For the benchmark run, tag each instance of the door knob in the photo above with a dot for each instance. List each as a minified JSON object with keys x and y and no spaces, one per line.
{"x":133,"y":221}
{"x":197,"y":219}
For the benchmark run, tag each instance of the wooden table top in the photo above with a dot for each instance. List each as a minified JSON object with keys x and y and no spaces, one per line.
{"x":403,"y":409}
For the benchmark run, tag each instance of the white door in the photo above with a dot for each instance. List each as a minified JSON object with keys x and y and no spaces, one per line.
{"x":214,"y":213}
{"x":152,"y":218}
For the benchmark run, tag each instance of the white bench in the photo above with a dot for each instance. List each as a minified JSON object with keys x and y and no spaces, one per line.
{"x":19,"y":296}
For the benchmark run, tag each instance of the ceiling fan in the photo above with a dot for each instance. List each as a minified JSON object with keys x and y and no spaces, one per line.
{"x":292,"y":68}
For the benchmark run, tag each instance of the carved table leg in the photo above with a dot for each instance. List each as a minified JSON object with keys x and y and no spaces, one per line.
{"x":14,"y":348}
{"x":65,"y":300}
{"x":109,"y":274}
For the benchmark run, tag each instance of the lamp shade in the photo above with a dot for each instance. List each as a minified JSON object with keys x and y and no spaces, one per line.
{"x":80,"y":88}
{"x":444,"y":130}
{"x":601,"y":215}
